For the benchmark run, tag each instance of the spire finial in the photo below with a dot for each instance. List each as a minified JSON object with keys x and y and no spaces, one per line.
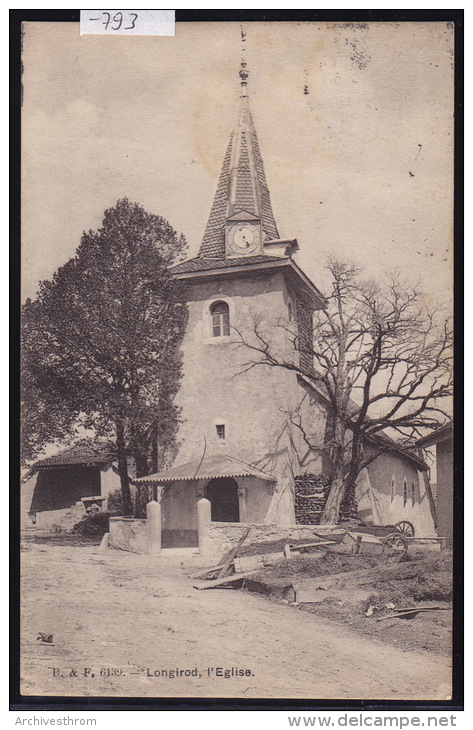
{"x":243,"y":73}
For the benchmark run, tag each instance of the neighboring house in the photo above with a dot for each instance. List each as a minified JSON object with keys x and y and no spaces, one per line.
{"x":395,"y":488}
{"x":442,"y":441}
{"x":57,"y":491}
{"x":238,"y":445}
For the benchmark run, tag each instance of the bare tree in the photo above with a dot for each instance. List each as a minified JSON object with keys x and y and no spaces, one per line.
{"x":381,"y":358}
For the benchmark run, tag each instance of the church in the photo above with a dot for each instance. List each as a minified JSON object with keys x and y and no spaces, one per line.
{"x":238,"y":445}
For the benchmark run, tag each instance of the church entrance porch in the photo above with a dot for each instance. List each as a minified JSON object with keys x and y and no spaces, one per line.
{"x":222,"y":494}
{"x":236,"y":492}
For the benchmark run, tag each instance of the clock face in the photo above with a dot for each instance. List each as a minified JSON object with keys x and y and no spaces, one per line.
{"x":243,"y":237}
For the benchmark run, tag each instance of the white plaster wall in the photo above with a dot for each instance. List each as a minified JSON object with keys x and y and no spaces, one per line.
{"x":109,"y":482}
{"x":389,"y":466}
{"x":254,"y":406}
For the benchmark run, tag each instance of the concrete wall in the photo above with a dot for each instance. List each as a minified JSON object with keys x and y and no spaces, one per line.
{"x":129,"y":534}
{"x":254,"y":406}
{"x":445,"y":490}
{"x":387,"y":470}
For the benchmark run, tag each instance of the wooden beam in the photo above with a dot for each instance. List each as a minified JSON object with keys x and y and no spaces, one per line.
{"x":223,"y":581}
{"x":398,"y":571}
{"x":233,"y":553}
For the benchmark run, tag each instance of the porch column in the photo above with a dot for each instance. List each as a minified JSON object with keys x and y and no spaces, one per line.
{"x":242,"y":502}
{"x":153,"y":527}
{"x":203,"y":521}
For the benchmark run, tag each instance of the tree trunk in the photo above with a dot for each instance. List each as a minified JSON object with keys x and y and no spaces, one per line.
{"x":123,"y":470}
{"x":331,"y":513}
{"x":349,"y":505}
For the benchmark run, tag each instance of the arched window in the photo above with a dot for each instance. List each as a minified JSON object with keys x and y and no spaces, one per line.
{"x":393,"y":488}
{"x":404,"y":492}
{"x":413,"y":493}
{"x":220,"y":319}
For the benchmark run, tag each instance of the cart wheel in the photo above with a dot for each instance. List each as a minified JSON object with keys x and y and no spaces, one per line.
{"x":397,"y":542}
{"x":405,"y":528}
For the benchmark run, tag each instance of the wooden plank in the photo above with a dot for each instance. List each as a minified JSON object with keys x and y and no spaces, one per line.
{"x":312,"y":544}
{"x":223,"y":581}
{"x":248,"y":562}
{"x":401,"y":571}
{"x":233,"y":553}
{"x":408,"y":611}
{"x":271,"y":558}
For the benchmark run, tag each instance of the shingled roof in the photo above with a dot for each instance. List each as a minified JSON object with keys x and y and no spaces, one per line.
{"x":220,"y":465}
{"x":204,"y":264}
{"x":241,"y":186}
{"x":84,"y":453}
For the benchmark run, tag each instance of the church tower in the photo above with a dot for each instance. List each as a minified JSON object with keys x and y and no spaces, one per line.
{"x":241,"y":219}
{"x":235,"y":445}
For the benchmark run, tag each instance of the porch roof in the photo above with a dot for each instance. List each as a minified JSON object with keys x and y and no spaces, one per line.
{"x":220,"y":465}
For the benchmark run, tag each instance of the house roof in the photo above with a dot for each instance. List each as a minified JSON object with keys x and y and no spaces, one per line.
{"x":402,"y":451}
{"x":443,"y":433}
{"x":85,"y":453}
{"x":220,"y":465}
{"x":379,"y":438}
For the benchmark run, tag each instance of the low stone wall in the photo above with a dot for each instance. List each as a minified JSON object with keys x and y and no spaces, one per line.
{"x":223,"y":536}
{"x":128,"y":533}
{"x":60,"y":520}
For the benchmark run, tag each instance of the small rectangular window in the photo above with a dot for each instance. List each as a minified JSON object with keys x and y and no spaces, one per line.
{"x":220,"y":431}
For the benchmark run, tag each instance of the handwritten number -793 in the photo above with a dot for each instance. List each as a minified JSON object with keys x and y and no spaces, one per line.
{"x":117,"y":18}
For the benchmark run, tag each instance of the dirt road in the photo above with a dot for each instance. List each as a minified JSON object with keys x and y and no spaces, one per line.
{"x":123,"y":623}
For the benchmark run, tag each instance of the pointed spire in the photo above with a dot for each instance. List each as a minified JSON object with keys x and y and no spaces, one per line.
{"x":242,"y":184}
{"x":243,"y":73}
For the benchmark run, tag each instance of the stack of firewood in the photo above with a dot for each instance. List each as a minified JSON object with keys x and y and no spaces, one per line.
{"x":311,"y":491}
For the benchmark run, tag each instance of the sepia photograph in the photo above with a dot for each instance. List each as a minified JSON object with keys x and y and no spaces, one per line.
{"x":237,"y":361}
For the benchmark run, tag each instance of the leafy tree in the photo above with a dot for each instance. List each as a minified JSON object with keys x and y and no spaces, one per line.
{"x":382,"y":360}
{"x":100,"y":341}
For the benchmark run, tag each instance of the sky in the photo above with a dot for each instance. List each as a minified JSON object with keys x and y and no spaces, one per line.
{"x":354,"y":121}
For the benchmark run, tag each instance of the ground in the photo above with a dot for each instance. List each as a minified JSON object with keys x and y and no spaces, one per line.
{"x":431,"y":630}
{"x":118,"y":620}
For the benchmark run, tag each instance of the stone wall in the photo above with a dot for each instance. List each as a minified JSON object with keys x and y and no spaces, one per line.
{"x":60,"y":520}
{"x":223,"y":536}
{"x":128,"y":533}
